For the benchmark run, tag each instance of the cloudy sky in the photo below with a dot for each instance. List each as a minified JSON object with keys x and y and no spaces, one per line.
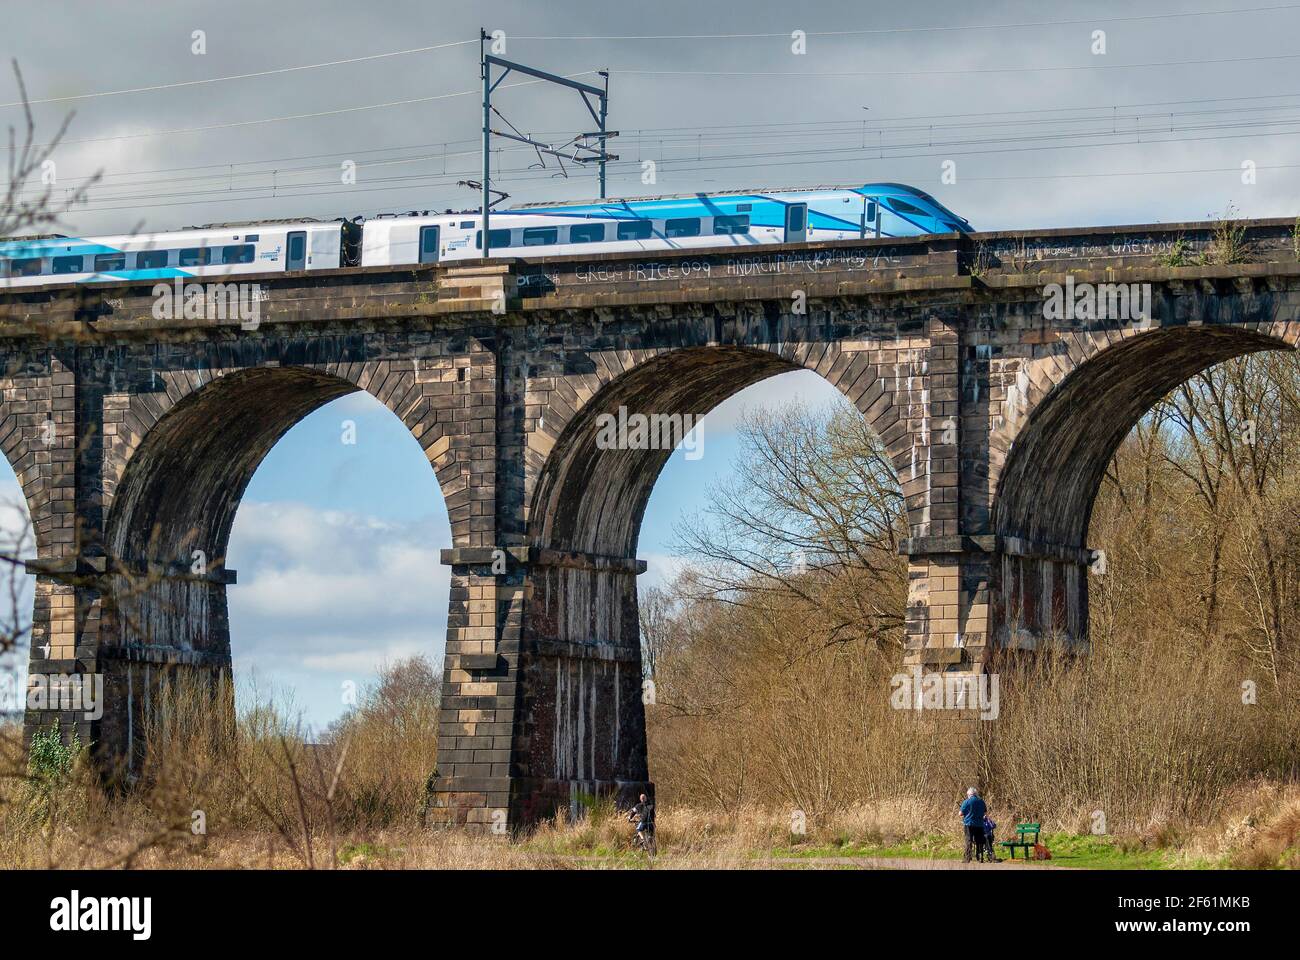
{"x":1048,"y":114}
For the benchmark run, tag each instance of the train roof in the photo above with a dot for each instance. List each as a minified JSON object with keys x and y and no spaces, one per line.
{"x":273,"y":222}
{"x":17,"y":243}
{"x":749,"y":191}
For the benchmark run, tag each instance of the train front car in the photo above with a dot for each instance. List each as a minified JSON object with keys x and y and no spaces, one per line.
{"x":691,"y":221}
{"x":906,"y":211}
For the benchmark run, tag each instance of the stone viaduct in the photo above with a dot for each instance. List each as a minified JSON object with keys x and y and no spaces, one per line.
{"x":134,"y":438}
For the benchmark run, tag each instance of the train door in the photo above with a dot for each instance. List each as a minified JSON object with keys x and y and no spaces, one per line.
{"x":296,"y":258}
{"x":870,"y":218}
{"x":428,"y":244}
{"x":796,"y":223}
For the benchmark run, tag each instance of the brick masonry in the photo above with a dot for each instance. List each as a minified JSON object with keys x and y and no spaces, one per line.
{"x":134,"y":438}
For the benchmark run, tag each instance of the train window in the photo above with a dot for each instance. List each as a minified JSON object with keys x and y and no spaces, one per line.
{"x":69,"y":265}
{"x":498,"y":239}
{"x":429,"y":244}
{"x":723,"y":225}
{"x":151,"y":259}
{"x":28,"y":267}
{"x":683,"y":227}
{"x":540,"y":236}
{"x":467,"y":224}
{"x":297,"y":253}
{"x":796,"y":218}
{"x":905,"y":208}
{"x":635,"y":230}
{"x":238,"y":253}
{"x":195,"y":257}
{"x":110,"y":261}
{"x":587,"y":233}
{"x":744,"y":207}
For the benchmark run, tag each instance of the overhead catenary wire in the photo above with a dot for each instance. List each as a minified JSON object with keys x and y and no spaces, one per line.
{"x":754,"y":130}
{"x":150,"y":88}
{"x":748,"y":74}
{"x":633,"y":171}
{"x":940,"y":72}
{"x":869,"y":31}
{"x":298,"y":116}
{"x":632,"y":175}
{"x":1124,"y":134}
{"x":1016,"y":127}
{"x":880,"y":31}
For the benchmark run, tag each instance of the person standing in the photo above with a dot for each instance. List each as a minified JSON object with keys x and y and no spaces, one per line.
{"x":972,"y":819}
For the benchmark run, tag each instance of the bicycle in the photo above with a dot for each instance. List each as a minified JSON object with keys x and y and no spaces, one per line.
{"x":643,"y":839}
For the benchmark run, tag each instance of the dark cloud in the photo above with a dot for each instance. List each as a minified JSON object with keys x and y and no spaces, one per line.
{"x":73,"y":48}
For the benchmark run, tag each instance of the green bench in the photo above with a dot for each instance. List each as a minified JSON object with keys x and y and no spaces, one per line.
{"x":1026,"y":838}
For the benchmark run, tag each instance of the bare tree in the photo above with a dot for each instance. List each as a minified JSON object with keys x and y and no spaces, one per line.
{"x":29,"y":201}
{"x":815,"y":514}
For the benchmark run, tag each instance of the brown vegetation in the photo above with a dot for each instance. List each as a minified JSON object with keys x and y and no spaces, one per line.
{"x":1188,"y":695}
{"x":772,"y":661}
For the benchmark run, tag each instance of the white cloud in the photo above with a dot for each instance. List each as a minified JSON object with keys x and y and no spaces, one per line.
{"x":368,"y":661}
{"x":661,"y":569}
{"x":324,"y":593}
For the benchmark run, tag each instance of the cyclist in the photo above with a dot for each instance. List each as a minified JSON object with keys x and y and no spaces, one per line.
{"x":643,"y":815}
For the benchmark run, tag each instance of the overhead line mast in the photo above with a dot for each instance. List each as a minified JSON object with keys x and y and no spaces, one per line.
{"x":576,"y":149}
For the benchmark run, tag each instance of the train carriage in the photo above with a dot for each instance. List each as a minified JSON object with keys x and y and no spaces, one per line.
{"x":212,"y":251}
{"x":695,"y":221}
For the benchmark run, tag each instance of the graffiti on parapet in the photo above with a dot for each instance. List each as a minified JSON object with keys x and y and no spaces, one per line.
{"x":1029,"y":249}
{"x":809,"y":262}
{"x":538,"y":282}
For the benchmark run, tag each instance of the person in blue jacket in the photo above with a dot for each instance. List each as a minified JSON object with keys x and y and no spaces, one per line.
{"x":972,"y":819}
{"x":989,"y":849}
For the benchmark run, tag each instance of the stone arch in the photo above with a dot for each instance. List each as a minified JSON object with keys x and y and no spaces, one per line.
{"x":1080,"y":403}
{"x":38,"y":415}
{"x":410,"y":389}
{"x":1064,"y":418}
{"x":36,"y":433}
{"x":181,"y":486}
{"x":24,"y":535}
{"x":591,"y":500}
{"x":882,"y":378}
{"x":178,"y":462}
{"x":580,"y":669}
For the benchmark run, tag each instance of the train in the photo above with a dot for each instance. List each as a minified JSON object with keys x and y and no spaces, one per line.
{"x":740,"y":218}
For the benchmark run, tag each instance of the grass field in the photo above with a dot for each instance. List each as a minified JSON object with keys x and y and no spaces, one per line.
{"x":601,"y":839}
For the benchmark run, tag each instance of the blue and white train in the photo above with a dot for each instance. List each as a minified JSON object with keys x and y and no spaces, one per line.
{"x":694,"y":221}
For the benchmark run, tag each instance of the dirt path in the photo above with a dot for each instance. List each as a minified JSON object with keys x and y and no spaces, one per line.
{"x":906,"y":863}
{"x":863,"y":863}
